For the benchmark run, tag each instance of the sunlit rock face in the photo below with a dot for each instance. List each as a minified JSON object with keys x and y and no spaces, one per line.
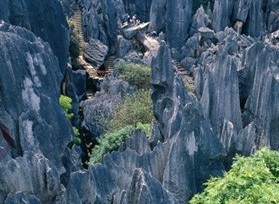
{"x":34,"y":131}
{"x":44,"y":18}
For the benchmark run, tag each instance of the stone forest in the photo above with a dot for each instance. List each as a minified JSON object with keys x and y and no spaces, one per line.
{"x":139,"y":101}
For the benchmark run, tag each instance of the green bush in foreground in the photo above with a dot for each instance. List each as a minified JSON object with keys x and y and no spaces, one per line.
{"x":137,"y":75}
{"x":251,"y":180}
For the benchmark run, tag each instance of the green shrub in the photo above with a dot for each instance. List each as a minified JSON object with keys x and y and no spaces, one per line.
{"x":137,"y":75}
{"x":109,"y":142}
{"x":146,"y":128}
{"x":66,"y":103}
{"x":135,"y":109}
{"x":75,"y":40}
{"x":251,"y":180}
{"x":134,"y":113}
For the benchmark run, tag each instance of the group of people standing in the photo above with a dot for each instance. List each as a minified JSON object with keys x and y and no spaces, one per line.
{"x":132,"y":21}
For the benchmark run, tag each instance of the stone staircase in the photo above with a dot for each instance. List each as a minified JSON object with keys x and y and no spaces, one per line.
{"x":88,"y":67}
{"x":109,"y":64}
{"x":91,"y":71}
{"x":188,"y":80}
{"x":77,"y":19}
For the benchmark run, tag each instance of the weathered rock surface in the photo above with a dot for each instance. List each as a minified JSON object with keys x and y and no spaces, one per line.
{"x":19,"y":198}
{"x":100,"y":22}
{"x":140,"y":8}
{"x":141,"y":174}
{"x":238,"y":78}
{"x":158,"y":16}
{"x":173,"y":17}
{"x":131,"y":32}
{"x":34,"y":130}
{"x":177,"y":23}
{"x":98,"y":110}
{"x":234,"y":109}
{"x":256,"y":16}
{"x":95,"y":52}
{"x":44,"y":18}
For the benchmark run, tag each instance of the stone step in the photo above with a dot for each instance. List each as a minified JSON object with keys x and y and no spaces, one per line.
{"x":109,"y":63}
{"x":77,"y":19}
{"x":184,"y":73}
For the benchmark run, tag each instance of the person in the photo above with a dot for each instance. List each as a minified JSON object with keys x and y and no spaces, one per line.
{"x":129,"y":20}
{"x":137,"y":22}
{"x":134,"y":20}
{"x":153,"y":33}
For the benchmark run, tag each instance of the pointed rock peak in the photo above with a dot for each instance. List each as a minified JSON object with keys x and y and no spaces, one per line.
{"x":162,"y":73}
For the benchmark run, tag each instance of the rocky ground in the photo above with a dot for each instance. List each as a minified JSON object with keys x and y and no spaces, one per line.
{"x":229,"y":48}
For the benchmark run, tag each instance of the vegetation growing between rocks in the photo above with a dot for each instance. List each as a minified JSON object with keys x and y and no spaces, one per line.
{"x":75,"y":40}
{"x":136,"y":108}
{"x":251,"y":180}
{"x":66,"y":103}
{"x":137,"y":75}
{"x":134,"y":113}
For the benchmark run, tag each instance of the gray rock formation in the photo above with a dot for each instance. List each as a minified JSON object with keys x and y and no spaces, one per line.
{"x":95,"y":52}
{"x":141,"y":174}
{"x":140,"y":8}
{"x":34,"y":130}
{"x":230,"y":81}
{"x":173,"y":17}
{"x":200,"y":19}
{"x":124,"y":46}
{"x":261,"y":105}
{"x":45,"y":19}
{"x":234,"y":110}
{"x":158,"y":16}
{"x":100,"y":22}
{"x":254,"y":17}
{"x":19,"y":198}
{"x":221,"y":14}
{"x":98,"y":110}
{"x":178,"y":19}
{"x":79,"y":83}
{"x":131,"y":32}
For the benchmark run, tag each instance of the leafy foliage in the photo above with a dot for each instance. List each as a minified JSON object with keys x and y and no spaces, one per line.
{"x":251,"y":180}
{"x":75,"y":40}
{"x":136,"y":108}
{"x":134,"y":113}
{"x":137,"y":75}
{"x":66,"y":103}
{"x":109,"y":142}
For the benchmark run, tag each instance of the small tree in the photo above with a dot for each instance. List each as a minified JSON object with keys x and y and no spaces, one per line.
{"x":251,"y":180}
